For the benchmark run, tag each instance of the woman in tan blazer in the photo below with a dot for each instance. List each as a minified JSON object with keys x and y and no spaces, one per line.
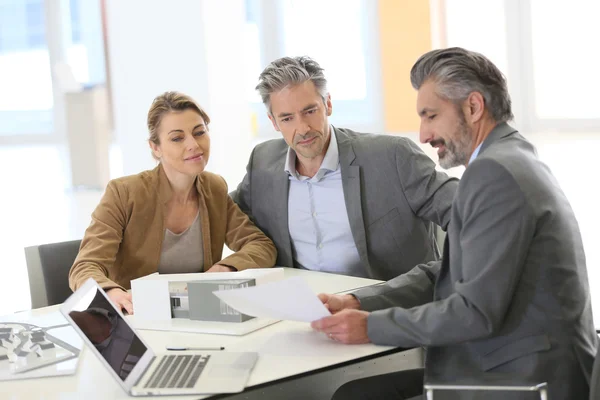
{"x":172,"y":219}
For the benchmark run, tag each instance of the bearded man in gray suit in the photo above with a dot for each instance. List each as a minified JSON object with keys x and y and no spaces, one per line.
{"x":510,"y":300}
{"x":335,"y":200}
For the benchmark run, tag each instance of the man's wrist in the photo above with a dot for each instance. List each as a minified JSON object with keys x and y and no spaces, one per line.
{"x":350,"y":301}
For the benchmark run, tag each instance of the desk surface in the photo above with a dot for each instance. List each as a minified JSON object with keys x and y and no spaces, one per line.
{"x":286,"y":349}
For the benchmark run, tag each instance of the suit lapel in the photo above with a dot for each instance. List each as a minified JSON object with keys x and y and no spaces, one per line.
{"x":351,"y":182}
{"x":281,"y":187}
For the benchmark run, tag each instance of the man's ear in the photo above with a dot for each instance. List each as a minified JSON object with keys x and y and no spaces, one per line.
{"x":328,"y":105}
{"x":273,"y":122}
{"x":474,"y":107}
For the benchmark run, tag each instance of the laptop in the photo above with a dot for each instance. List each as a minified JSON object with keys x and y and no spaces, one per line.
{"x":133,"y":364}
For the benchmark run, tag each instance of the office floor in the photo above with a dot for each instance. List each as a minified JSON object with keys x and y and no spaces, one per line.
{"x":37,"y":206}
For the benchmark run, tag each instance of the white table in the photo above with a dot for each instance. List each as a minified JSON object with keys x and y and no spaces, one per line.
{"x":286,"y":350}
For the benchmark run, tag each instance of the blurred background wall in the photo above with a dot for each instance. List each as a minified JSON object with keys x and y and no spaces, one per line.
{"x":78,"y":76}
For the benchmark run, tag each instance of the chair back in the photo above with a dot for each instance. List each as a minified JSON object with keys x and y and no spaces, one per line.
{"x":48,"y":267}
{"x":595,"y":378}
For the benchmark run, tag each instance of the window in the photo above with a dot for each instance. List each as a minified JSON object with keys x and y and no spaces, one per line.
{"x":565,"y":67}
{"x":26,"y":95}
{"x":85,"y":53}
{"x":341,"y":35}
{"x":26,"y":98}
{"x":76,"y":22}
{"x":334,"y":38}
{"x":252,"y":49}
{"x":36,"y":36}
{"x":463,"y":19}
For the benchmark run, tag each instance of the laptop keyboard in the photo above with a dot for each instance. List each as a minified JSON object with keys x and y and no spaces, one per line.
{"x":177,"y":371}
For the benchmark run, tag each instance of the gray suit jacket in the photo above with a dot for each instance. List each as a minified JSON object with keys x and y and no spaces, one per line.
{"x":392,"y":191}
{"x":510,"y":299}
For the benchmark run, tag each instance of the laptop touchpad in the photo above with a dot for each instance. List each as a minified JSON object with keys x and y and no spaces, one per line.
{"x":226,"y":371}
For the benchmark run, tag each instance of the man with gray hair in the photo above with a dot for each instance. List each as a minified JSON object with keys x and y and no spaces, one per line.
{"x":510,"y":301}
{"x":335,"y":200}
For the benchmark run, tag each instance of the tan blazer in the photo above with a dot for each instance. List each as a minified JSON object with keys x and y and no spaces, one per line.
{"x":124,"y":239}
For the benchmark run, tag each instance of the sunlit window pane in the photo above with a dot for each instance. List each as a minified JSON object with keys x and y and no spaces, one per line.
{"x":331,"y":32}
{"x":565,"y":58}
{"x":26,"y":96}
{"x":252,"y":65}
{"x":466,"y":28}
{"x":25,"y":81}
{"x":252,"y":49}
{"x":85,"y":54}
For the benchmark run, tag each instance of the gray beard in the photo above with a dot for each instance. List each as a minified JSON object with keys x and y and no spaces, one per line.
{"x":454,"y":157}
{"x":457,"y":151}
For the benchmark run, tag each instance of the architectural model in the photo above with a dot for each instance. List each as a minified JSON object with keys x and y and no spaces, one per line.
{"x":24,"y":347}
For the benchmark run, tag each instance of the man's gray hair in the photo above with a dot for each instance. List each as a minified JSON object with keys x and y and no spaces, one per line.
{"x":289,"y":71}
{"x":459,"y":72}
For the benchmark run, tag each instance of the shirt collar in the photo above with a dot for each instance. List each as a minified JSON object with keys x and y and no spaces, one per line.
{"x":475,"y":153}
{"x":330,"y":161}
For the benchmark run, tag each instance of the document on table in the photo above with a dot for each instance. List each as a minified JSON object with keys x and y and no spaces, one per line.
{"x":289,"y":299}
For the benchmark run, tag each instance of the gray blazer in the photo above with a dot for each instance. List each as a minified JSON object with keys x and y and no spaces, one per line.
{"x":510,"y":299}
{"x":392,"y":191}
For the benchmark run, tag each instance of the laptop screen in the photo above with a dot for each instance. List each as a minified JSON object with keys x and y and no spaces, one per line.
{"x":105,"y":328}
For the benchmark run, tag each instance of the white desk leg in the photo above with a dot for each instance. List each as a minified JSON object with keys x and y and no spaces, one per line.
{"x":430,"y":394}
{"x":543,"y":394}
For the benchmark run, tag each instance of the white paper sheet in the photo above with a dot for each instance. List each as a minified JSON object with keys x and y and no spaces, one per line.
{"x":289,"y":299}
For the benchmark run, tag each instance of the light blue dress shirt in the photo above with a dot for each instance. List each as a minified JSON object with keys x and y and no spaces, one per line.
{"x":475,"y":153}
{"x":317,"y":217}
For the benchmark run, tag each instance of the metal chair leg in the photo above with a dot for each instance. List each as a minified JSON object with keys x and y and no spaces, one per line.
{"x":429,"y":394}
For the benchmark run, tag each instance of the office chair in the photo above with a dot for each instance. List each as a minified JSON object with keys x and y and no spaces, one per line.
{"x":595,"y":378}
{"x":48,"y":268}
{"x":542,"y":388}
